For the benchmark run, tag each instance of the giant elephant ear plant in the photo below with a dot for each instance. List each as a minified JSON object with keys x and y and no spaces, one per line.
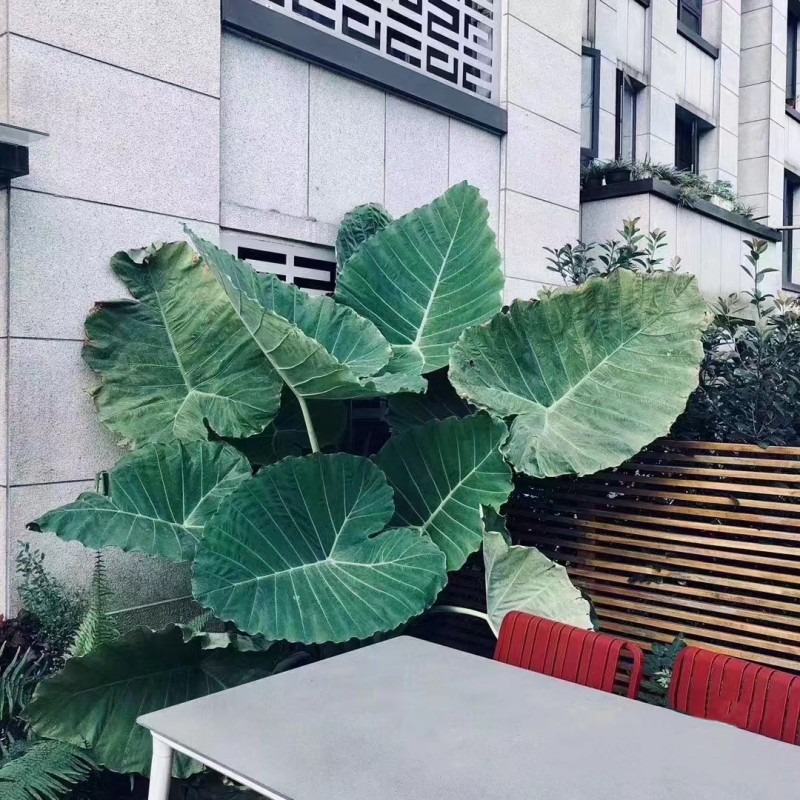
{"x":212,"y":361}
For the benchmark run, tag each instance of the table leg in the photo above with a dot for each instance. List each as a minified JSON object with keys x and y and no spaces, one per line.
{"x":160,"y":770}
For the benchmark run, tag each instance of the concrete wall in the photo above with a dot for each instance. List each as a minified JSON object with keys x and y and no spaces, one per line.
{"x":539,"y":183}
{"x":131,"y":103}
{"x":301,"y":146}
{"x":708,"y":248}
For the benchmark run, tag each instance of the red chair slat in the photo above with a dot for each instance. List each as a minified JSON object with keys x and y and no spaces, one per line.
{"x":563,"y":651}
{"x":758,"y":699}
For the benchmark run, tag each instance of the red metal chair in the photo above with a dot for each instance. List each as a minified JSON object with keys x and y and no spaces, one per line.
{"x":562,"y":651}
{"x":758,"y":699}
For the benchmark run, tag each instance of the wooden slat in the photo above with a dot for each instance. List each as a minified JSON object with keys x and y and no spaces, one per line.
{"x":698,"y":458}
{"x":583,"y":576}
{"x":674,"y":445}
{"x":695,"y":538}
{"x":634,"y":503}
{"x":664,"y":494}
{"x":716,"y":531}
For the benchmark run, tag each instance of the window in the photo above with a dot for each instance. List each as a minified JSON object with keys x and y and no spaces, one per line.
{"x":311,"y":267}
{"x":590,"y":103}
{"x":627,"y":91}
{"x":690,"y":13}
{"x":689,"y":129}
{"x":791,"y":242}
{"x":791,"y":56}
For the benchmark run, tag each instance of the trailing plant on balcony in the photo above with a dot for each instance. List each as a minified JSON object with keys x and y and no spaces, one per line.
{"x":212,"y":364}
{"x":693,"y":187}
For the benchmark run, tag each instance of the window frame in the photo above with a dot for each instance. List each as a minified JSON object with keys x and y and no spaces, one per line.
{"x":792,"y":30}
{"x":590,"y":153}
{"x":699,"y":126}
{"x":635,"y":86}
{"x":690,"y":13}
{"x":791,"y":184}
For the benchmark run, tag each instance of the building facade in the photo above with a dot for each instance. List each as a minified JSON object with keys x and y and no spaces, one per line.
{"x":259,"y":123}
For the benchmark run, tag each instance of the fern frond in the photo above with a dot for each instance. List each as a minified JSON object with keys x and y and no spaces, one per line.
{"x":47,"y":770}
{"x":97,"y":626}
{"x":18,"y":680}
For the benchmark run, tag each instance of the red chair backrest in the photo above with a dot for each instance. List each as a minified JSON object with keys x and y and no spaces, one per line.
{"x":717,"y":687}
{"x":562,"y":651}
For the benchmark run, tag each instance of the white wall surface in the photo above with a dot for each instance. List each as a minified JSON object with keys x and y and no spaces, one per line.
{"x":301,"y":146}
{"x":131,"y":103}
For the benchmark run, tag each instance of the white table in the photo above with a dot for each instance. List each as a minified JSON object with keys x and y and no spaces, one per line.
{"x":409,"y":720}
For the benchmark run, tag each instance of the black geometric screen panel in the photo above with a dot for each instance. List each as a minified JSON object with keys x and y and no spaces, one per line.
{"x":454,"y":41}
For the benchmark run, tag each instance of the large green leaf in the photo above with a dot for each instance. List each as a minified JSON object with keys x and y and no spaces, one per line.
{"x":524,"y":579}
{"x":591,"y":375}
{"x":440,"y":401}
{"x":357,"y":226}
{"x":95,"y":700}
{"x":427,"y":276}
{"x":299,"y":552}
{"x":287,"y":434}
{"x":442,"y":473}
{"x":176,"y":357}
{"x":318,"y":348}
{"x":155,"y":501}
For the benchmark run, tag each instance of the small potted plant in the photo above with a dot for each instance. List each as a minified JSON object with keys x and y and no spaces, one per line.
{"x":618,"y":172}
{"x":592,"y":176}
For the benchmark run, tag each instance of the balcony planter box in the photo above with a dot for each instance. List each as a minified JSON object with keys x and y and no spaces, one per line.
{"x":721,"y":202}
{"x":618,"y":175}
{"x":593,"y":182}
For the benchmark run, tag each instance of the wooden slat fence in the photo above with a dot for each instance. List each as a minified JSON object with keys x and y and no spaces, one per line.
{"x":695,"y":538}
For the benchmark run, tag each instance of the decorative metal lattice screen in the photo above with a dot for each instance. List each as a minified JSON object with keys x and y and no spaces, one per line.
{"x":311,"y":267}
{"x":454,"y":41}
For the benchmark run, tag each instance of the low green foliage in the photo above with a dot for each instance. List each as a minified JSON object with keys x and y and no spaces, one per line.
{"x":634,"y":251}
{"x":98,"y":626}
{"x":58,"y":610}
{"x":658,"y":666}
{"x":750,"y":377}
{"x":43,"y":770}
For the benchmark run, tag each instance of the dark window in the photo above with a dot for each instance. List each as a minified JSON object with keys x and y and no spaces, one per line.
{"x":690,"y":13}
{"x":791,"y":243}
{"x":689,"y":129}
{"x":791,"y":59}
{"x":590,"y":103}
{"x":627,"y":91}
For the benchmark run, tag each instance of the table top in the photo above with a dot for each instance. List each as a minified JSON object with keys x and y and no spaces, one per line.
{"x":410,"y":720}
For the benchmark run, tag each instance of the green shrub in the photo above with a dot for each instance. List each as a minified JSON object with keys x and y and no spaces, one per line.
{"x":213,"y":367}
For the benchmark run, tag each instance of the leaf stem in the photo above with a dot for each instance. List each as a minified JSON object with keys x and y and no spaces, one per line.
{"x":312,"y":436}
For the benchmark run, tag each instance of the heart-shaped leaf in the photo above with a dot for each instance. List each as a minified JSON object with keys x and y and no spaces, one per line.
{"x":427,"y":276}
{"x":318,"y":348}
{"x":177,"y":355}
{"x":524,"y":579}
{"x":94,"y":700}
{"x":155,"y":501}
{"x":442,"y":473}
{"x":299,"y":552}
{"x":591,"y":375}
